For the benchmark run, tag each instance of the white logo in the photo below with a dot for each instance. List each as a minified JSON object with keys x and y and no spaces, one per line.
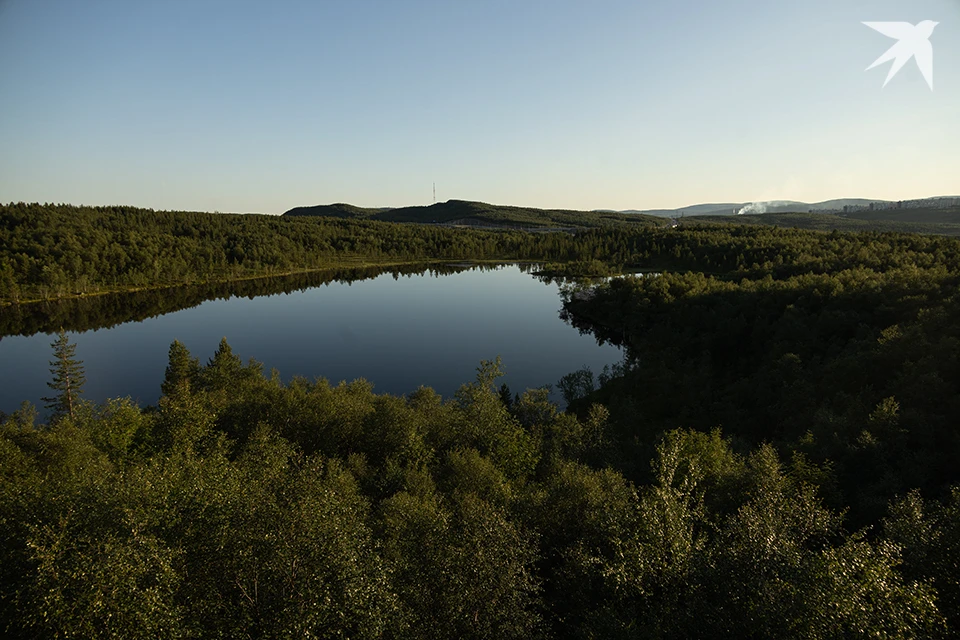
{"x":914,"y":42}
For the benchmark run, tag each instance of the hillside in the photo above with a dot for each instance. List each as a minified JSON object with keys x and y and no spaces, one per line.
{"x":927,"y":221}
{"x":338,"y":210}
{"x":859,"y":206}
{"x":462,"y":212}
{"x":693,"y":210}
{"x":946,"y":215}
{"x":778,"y":206}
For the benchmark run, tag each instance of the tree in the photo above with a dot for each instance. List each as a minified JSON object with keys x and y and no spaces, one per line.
{"x":505,"y":396}
{"x":223,"y":371}
{"x":182,"y":368}
{"x":576,"y":385}
{"x":8,"y":284}
{"x":68,"y":377}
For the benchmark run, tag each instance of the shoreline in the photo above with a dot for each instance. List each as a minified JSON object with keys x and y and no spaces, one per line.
{"x":248,"y":278}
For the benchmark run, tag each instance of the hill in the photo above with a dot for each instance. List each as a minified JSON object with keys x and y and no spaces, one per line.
{"x":851,"y":206}
{"x":944,"y":215}
{"x":693,"y":210}
{"x":943,"y":222}
{"x":775,"y":206}
{"x":338,"y":210}
{"x":466,"y":213}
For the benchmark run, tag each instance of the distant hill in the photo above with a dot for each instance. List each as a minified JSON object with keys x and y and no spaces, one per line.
{"x":694,"y":210}
{"x":845,"y":202}
{"x":930,"y":215}
{"x":338,"y":210}
{"x":777,"y":206}
{"x":851,"y":205}
{"x":932,"y":221}
{"x":465,"y":213}
{"x":938,"y":215}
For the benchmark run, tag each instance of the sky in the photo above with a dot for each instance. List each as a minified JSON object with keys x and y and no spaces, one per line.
{"x":263,"y":106}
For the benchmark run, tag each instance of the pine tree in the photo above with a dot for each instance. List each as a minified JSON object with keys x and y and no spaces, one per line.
{"x":223,"y":370}
{"x":505,"y":396}
{"x":68,"y":377}
{"x":182,"y":369}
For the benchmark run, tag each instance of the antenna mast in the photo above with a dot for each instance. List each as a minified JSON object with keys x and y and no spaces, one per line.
{"x":434,"y":193}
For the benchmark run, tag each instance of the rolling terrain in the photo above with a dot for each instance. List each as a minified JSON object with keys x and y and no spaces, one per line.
{"x":933,"y":219}
{"x":852,"y":206}
{"x":465,"y":213}
{"x":937,"y":221}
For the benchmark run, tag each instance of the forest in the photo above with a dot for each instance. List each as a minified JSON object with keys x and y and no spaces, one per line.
{"x":242,"y":507}
{"x":776,"y":457}
{"x":54,"y":252}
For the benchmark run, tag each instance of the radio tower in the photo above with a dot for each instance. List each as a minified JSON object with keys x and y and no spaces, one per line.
{"x":434,"y":193}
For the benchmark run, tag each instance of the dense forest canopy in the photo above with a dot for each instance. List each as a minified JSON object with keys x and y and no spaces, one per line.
{"x":241,"y":507}
{"x":54,"y":251}
{"x":776,"y":457}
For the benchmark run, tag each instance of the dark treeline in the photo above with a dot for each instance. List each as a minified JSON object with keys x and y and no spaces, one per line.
{"x":51,"y":251}
{"x":107,"y":310}
{"x":927,"y":221}
{"x":57,"y":251}
{"x":242,"y":507}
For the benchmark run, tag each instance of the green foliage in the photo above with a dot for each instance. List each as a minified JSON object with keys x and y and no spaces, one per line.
{"x":487,"y":425}
{"x":462,"y":570}
{"x":579,"y":269}
{"x":89,"y":583}
{"x":928,"y":533}
{"x":182,"y":370}
{"x":766,"y":561}
{"x":467,"y":472}
{"x":115,"y":427}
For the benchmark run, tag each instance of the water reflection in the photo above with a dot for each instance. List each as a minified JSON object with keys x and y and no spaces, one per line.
{"x":108,"y":310}
{"x":399,"y":329}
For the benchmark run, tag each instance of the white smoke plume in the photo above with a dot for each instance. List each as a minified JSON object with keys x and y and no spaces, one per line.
{"x":761,"y":207}
{"x":753,"y":207}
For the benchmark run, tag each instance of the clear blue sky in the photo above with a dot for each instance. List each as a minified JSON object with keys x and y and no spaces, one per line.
{"x":259,"y":107}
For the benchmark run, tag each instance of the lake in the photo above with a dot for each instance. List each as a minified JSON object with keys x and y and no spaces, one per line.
{"x":397,"y":331}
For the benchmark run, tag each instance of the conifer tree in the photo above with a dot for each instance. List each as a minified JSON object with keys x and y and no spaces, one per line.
{"x":182,"y":369}
{"x":223,"y":370}
{"x":68,"y":377}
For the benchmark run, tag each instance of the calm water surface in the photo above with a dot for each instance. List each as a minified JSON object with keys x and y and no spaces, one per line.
{"x":398,"y":333}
